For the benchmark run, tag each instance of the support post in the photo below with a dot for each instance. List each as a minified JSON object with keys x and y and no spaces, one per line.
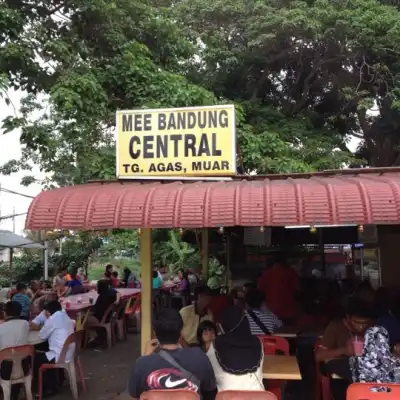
{"x":46,"y":260}
{"x":204,"y":254}
{"x":146,"y":294}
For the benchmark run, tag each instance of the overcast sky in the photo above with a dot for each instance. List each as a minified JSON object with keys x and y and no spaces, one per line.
{"x":9,"y":149}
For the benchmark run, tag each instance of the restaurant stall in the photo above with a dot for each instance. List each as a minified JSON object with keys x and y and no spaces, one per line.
{"x":169,"y":178}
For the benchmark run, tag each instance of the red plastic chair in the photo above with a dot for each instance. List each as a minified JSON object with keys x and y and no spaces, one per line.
{"x":169,"y":395}
{"x":72,"y":367}
{"x":245,"y":395}
{"x":274,"y":345}
{"x":322,"y":384}
{"x":363,"y":391}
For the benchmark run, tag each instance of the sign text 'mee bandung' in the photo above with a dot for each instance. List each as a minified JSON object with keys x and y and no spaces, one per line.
{"x":193,"y":141}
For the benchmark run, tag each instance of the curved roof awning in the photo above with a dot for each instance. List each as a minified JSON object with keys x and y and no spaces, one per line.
{"x":320,"y":199}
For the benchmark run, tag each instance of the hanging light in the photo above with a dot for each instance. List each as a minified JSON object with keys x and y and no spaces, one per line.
{"x":103,"y":233}
{"x":313,"y":229}
{"x":181,"y":231}
{"x":221,"y":230}
{"x":262,"y":229}
{"x":360,"y":228}
{"x":50,"y":233}
{"x":139,"y":231}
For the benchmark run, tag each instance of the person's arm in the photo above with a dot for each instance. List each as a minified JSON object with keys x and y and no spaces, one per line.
{"x":117,"y":297}
{"x":329,"y":349}
{"x":38,"y":322}
{"x":47,"y":330}
{"x":209,"y":384}
{"x":135,"y":387}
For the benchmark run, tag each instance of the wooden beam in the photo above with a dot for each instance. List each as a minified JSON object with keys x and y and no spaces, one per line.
{"x":146,"y":294}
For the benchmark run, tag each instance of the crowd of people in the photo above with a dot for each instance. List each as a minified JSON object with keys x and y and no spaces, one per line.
{"x":39,"y":308}
{"x":358,"y":330}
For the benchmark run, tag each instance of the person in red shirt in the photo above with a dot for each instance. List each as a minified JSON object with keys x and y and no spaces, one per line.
{"x":280,"y":284}
{"x":114,"y":279}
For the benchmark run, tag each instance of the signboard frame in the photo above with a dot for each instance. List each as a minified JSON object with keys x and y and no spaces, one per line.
{"x":210,"y":177}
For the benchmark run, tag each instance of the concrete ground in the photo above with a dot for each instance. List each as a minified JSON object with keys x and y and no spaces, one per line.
{"x":106,"y":371}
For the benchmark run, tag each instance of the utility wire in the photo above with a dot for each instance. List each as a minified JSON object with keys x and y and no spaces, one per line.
{"x":13,"y":215}
{"x":16,"y":193}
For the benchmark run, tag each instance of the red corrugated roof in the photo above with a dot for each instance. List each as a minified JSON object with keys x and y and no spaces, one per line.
{"x":368,"y":198}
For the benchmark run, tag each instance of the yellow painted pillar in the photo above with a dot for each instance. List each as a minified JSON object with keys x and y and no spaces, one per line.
{"x":146,"y":294}
{"x":204,"y":253}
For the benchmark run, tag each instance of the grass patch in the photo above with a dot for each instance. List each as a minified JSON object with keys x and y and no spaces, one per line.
{"x":96,"y":269}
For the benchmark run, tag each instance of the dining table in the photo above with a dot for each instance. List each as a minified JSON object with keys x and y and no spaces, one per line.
{"x":281,"y":368}
{"x":80,"y":302}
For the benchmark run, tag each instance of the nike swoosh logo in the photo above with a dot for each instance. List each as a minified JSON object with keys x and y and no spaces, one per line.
{"x":171,"y":384}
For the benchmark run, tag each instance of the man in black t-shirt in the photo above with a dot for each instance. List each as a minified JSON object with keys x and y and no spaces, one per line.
{"x":153,"y":372}
{"x":107,"y":297}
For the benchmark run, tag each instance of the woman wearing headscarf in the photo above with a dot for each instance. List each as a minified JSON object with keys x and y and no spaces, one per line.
{"x":376,"y":364}
{"x":236,"y":355}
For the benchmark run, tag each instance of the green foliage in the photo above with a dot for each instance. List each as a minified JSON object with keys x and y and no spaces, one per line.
{"x":303,"y":75}
{"x":174,"y":253}
{"x":25,"y":268}
{"x":120,"y":243}
{"x":217,"y":274}
{"x":76,"y":251}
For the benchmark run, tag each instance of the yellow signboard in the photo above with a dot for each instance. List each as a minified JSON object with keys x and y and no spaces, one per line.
{"x":176,"y":142}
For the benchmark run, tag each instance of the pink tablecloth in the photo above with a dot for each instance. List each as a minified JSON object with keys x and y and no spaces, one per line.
{"x":79,"y":302}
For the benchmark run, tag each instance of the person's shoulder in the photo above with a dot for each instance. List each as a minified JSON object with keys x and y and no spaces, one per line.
{"x":187,"y":310}
{"x":335,"y":324}
{"x":196,"y":353}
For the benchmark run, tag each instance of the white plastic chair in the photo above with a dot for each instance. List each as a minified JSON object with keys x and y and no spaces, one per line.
{"x":74,"y":341}
{"x":16,"y":355}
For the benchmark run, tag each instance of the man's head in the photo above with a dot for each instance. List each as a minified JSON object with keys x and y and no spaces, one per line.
{"x":114,"y":274}
{"x":13,"y":309}
{"x":109,"y":268}
{"x":359,"y":315}
{"x":21,"y":287}
{"x":35,"y":285}
{"x":202,"y":296}
{"x":254,"y":299}
{"x":52,"y":307}
{"x":168,"y":326}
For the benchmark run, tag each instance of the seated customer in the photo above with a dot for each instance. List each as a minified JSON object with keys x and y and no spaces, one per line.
{"x":236,"y":356}
{"x":14,"y":331}
{"x":22,"y":298}
{"x":114,"y":279}
{"x":194,"y":314}
{"x":56,"y":329}
{"x":156,"y":282}
{"x":376,"y":364}
{"x":107,"y":297}
{"x":336,"y":346}
{"x":161,"y":366}
{"x":338,"y":334}
{"x":74,"y":286}
{"x":206,"y":333}
{"x":262,"y":321}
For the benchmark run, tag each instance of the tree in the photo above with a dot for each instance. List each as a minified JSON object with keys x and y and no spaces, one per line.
{"x":78,"y":62}
{"x":306,"y":73}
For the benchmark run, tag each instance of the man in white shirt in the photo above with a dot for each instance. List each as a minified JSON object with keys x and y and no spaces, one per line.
{"x":13,"y":332}
{"x":56,"y":329}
